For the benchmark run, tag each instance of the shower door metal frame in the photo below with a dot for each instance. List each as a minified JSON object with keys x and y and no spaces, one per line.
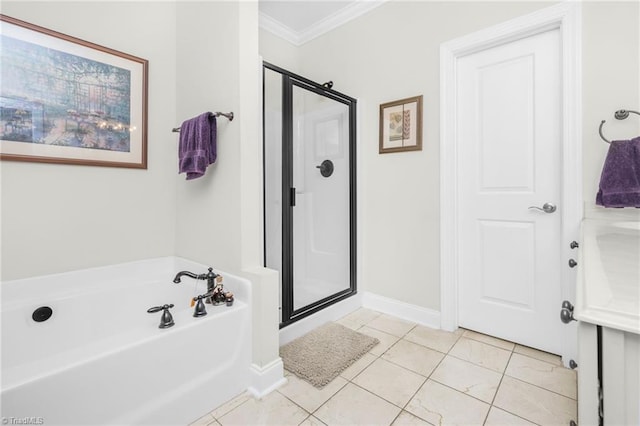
{"x":289,"y":80}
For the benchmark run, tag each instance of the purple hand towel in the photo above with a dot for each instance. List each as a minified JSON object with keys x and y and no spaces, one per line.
{"x":197,"y":148}
{"x":620,"y":180}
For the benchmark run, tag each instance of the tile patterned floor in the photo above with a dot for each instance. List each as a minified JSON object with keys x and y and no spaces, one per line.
{"x":420,"y":376}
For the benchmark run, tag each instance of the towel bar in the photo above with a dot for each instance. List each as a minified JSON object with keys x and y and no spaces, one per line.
{"x":621,"y":114}
{"x":229,"y":115}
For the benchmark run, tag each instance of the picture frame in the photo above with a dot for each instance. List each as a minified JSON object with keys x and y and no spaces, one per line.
{"x":401,"y":125}
{"x":69,"y":101}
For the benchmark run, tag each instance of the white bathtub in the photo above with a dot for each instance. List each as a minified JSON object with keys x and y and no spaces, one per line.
{"x":101,"y":358}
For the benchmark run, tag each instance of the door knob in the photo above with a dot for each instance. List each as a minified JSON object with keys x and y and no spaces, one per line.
{"x":547,"y":208}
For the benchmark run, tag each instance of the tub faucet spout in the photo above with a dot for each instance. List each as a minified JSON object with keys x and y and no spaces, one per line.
{"x":209,"y":276}
{"x":189,"y":274}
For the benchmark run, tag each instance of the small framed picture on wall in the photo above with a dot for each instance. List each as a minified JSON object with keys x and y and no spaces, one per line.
{"x":401,"y":125}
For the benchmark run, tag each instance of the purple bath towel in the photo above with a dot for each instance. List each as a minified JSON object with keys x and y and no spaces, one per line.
{"x":197,"y":147}
{"x":620,"y":180}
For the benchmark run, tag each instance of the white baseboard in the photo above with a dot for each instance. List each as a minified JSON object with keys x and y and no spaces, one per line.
{"x":265,"y":380}
{"x":330,"y":313}
{"x":418,"y":314}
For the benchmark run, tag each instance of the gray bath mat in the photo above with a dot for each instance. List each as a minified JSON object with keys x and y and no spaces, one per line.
{"x":322,"y":354}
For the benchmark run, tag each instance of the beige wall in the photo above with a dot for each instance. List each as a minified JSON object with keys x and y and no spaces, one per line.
{"x":611,"y":81}
{"x":203,"y":56}
{"x":278,"y":52}
{"x":58,"y":218}
{"x":208,"y":223}
{"x":219,"y":216}
{"x":391,"y":53}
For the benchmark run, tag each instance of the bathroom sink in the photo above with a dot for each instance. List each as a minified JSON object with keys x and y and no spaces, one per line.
{"x":608,"y":290}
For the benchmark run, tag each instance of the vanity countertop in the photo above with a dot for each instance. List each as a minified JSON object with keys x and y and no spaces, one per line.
{"x":608,"y":287}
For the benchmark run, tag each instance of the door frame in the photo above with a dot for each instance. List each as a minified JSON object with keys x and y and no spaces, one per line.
{"x":567,"y":18}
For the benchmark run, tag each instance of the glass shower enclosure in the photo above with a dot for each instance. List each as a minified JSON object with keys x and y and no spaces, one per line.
{"x":309,"y":192}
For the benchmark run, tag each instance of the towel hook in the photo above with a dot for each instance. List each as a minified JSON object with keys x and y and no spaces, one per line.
{"x":620,"y":114}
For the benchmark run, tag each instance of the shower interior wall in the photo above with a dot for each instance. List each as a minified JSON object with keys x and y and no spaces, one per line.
{"x":321,"y":216}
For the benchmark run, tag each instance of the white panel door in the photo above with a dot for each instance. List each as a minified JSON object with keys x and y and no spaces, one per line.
{"x":509,"y":141}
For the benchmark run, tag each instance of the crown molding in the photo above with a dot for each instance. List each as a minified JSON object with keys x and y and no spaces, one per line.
{"x":267,"y":23}
{"x":327,"y":24}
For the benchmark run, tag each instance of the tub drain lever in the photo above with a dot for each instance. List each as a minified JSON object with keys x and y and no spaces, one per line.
{"x":166,"y":320}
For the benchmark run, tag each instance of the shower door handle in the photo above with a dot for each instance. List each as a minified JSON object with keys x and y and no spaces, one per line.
{"x":292,"y":197}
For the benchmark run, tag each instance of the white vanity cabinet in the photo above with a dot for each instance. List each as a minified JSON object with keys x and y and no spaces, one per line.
{"x":608,"y":310}
{"x":619,"y":358}
{"x":621,"y":377}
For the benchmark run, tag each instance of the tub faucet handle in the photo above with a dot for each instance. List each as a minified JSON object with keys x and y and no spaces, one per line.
{"x":200,"y":310}
{"x":166,"y":320}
